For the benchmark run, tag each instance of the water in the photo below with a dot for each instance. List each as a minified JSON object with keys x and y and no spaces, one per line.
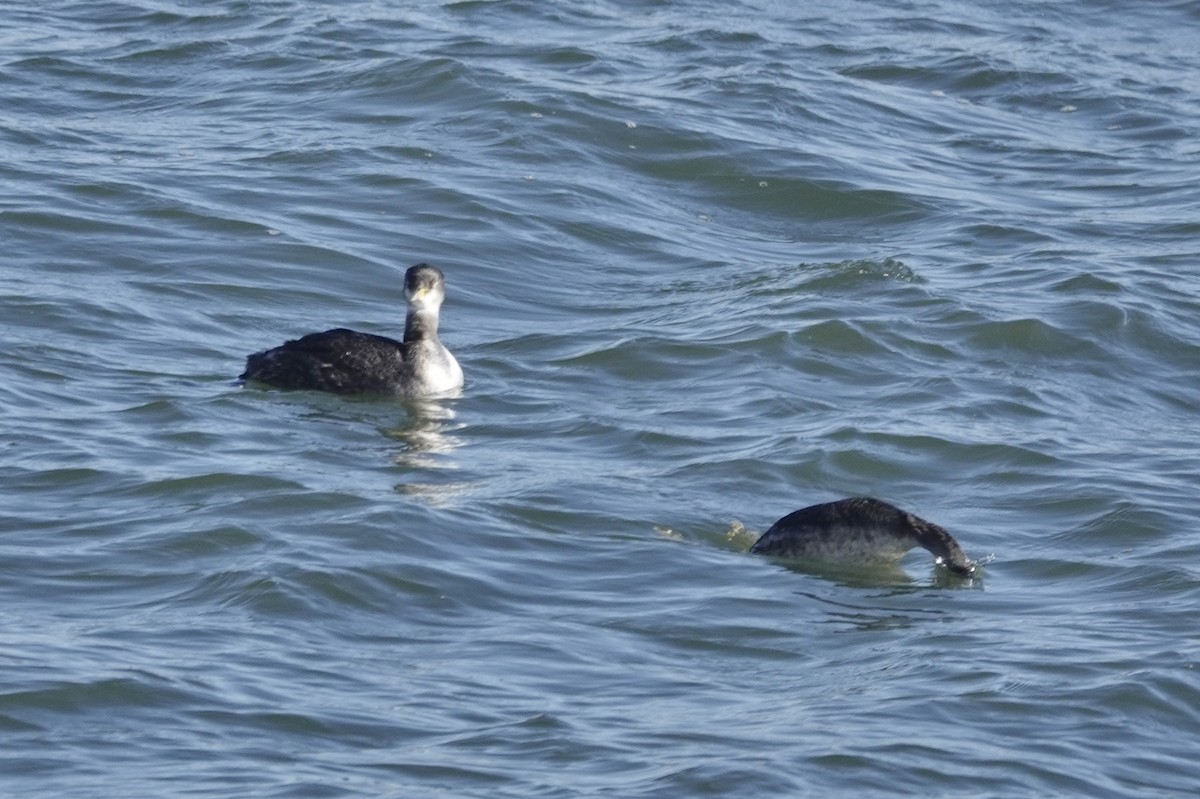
{"x":707,"y":263}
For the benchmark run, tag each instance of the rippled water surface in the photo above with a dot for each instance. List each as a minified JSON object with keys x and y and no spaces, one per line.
{"x":707,"y":263}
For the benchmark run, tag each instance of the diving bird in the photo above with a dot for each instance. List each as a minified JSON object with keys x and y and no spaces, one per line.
{"x":859,"y":530}
{"x":348,"y":362}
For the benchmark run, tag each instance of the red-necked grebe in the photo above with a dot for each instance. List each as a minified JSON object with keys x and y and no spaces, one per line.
{"x":857,"y":530}
{"x":348,"y":362}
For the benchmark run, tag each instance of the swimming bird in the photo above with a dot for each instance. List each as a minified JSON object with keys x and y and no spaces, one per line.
{"x":859,"y":529}
{"x":348,"y":362}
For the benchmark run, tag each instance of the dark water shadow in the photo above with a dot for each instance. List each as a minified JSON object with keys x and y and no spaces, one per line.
{"x":881,"y":575}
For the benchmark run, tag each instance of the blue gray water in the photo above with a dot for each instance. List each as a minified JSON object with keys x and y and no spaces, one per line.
{"x":707,"y":263}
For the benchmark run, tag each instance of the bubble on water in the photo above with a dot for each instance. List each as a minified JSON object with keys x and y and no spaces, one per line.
{"x":667,"y":532}
{"x":738,"y":536}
